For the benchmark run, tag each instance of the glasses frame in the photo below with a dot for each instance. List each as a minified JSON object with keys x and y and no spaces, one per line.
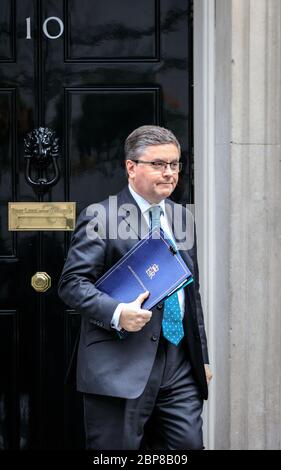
{"x":165,"y":164}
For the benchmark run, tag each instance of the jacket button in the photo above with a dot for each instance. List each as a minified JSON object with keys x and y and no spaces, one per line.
{"x":154,"y":338}
{"x":159,"y":306}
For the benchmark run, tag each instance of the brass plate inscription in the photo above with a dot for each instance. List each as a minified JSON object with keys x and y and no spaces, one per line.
{"x":30,"y":216}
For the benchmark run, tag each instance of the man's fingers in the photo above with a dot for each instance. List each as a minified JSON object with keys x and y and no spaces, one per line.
{"x":145,"y":313}
{"x":133,"y":317}
{"x":141,"y":298}
{"x":141,"y":320}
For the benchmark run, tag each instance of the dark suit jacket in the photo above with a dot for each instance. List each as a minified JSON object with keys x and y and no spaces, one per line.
{"x":106,"y":364}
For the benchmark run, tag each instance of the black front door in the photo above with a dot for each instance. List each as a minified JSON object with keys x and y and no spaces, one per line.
{"x":92,"y":71}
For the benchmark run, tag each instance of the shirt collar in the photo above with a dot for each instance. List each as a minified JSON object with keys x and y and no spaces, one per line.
{"x":143,"y":204}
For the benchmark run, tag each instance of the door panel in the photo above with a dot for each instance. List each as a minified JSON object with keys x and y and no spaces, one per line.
{"x":115,"y":66}
{"x":127,"y":32}
{"x":7,"y":44}
{"x":7,"y":138}
{"x":98,"y":154}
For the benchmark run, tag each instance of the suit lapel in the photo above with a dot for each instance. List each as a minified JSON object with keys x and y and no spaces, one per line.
{"x":190,"y":304}
{"x":171,"y":220}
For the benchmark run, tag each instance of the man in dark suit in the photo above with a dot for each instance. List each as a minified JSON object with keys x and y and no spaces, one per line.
{"x":143,"y":386}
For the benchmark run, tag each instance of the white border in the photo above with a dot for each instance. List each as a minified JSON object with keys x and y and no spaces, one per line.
{"x":204,"y":156}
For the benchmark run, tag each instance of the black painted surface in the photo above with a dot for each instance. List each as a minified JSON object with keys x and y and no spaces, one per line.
{"x":118,"y":65}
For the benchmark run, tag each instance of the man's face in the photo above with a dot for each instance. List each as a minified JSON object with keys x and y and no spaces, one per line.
{"x":152,"y":184}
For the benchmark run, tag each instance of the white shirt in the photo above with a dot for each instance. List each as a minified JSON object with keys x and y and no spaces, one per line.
{"x":144,"y":206}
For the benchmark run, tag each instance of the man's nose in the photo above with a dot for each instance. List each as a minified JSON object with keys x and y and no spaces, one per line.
{"x":168,"y":169}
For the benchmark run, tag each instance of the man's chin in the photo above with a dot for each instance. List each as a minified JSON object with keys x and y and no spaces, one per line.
{"x":165,"y":190}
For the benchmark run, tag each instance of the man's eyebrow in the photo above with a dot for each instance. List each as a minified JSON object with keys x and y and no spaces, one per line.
{"x":159,"y":159}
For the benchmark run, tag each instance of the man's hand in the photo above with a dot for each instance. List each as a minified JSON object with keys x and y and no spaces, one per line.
{"x":208,"y":373}
{"x":133,"y":317}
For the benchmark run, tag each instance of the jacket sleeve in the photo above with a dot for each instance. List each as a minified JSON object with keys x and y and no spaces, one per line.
{"x":84,"y":265}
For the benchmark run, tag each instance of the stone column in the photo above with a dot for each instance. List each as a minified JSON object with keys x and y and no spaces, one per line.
{"x":255,"y":222}
{"x":237,"y":117}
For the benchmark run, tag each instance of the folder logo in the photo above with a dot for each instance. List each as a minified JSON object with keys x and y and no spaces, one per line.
{"x":152,"y":270}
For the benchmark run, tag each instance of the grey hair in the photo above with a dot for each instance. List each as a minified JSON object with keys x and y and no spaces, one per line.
{"x":145,"y":136}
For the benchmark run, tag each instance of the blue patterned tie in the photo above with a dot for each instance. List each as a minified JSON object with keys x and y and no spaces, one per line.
{"x":172,"y":326}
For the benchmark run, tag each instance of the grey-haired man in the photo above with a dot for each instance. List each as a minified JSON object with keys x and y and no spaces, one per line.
{"x":142,"y":389}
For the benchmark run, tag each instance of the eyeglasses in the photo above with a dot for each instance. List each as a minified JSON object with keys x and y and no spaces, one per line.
{"x":162,"y":166}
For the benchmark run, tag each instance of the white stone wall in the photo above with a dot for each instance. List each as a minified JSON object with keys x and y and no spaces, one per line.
{"x":255,"y":248}
{"x":248,"y":120}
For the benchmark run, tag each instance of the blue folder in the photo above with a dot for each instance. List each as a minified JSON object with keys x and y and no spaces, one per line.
{"x":153,"y":264}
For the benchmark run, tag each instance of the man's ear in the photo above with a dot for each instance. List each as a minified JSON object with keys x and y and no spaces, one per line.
{"x":130,"y":168}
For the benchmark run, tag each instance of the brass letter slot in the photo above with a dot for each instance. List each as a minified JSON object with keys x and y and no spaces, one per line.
{"x":30,"y":216}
